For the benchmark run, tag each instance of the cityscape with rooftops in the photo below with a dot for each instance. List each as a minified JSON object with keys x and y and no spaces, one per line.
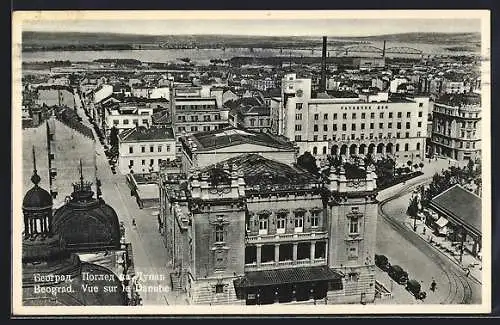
{"x":253,"y":170}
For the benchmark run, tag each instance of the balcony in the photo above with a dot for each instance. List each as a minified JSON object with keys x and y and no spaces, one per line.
{"x":276,"y":238}
{"x":284,"y":264}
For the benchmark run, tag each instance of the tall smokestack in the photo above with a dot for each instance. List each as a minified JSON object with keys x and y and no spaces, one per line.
{"x":322,"y":86}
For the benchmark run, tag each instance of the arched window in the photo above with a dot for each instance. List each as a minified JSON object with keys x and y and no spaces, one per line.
{"x":324,"y":150}
{"x":418,"y":145}
{"x":315,"y":150}
{"x":407,"y":146}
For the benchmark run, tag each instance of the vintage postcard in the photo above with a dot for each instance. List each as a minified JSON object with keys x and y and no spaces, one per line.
{"x":260,"y":162}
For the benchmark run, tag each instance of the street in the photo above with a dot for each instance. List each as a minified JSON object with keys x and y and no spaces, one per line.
{"x":422,"y":261}
{"x":149,"y":254}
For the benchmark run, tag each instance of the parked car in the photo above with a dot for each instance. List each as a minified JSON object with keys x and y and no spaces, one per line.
{"x":382,"y":262}
{"x":414,"y":287}
{"x":397,"y":273}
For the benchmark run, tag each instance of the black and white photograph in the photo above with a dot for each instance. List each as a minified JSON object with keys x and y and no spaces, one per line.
{"x":258,"y":162}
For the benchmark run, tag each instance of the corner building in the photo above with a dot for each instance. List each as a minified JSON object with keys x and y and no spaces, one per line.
{"x":370,"y":123}
{"x":251,"y":230}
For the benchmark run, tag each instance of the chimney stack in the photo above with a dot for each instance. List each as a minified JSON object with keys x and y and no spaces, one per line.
{"x":322,"y":85}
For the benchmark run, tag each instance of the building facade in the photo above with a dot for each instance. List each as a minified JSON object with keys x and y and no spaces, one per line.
{"x":371,"y":123}
{"x":456,"y":126}
{"x":141,"y":150}
{"x":251,"y":230}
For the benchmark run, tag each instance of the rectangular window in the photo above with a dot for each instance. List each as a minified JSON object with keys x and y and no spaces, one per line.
{"x":298,"y":106}
{"x":420,"y":114}
{"x":219,"y":233}
{"x":335,"y":127}
{"x":135,"y":121}
{"x":299,"y":222}
{"x":398,"y":135}
{"x":130,"y":149}
{"x":382,"y":115}
{"x":419,"y":134}
{"x":143,"y":162}
{"x":194,"y":129}
{"x":344,"y":127}
{"x":389,"y":135}
{"x":389,"y":125}
{"x":315,"y":127}
{"x":334,"y":116}
{"x":372,"y":115}
{"x":407,"y":125}
{"x":298,"y":117}
{"x":353,"y":116}
{"x":381,"y":125}
{"x":315,"y":219}
{"x":325,"y":116}
{"x":116,"y":122}
{"x":372,"y":126}
{"x":125,"y":122}
{"x":363,"y":115}
{"x":325,"y":127}
{"x":325,"y":138}
{"x":219,"y":288}
{"x":159,"y":148}
{"x":398,"y":125}
{"x":261,"y":122}
{"x":144,"y":121}
{"x":353,"y":226}
{"x":344,"y":116}
{"x":390,"y":114}
{"x":316,"y":117}
{"x":143,"y":149}
{"x":407,"y":134}
{"x":408,"y":114}
{"x":298,"y":127}
{"x":362,"y":126}
{"x":400,"y":114}
{"x":298,"y":137}
{"x":420,"y":104}
{"x":263,"y":224}
{"x":280,"y":223}
{"x":131,"y":163}
{"x":343,"y":136}
{"x":151,"y":149}
{"x":371,"y":135}
{"x":353,"y":127}
{"x":353,"y":136}
{"x":151,"y":162}
{"x":419,"y":124}
{"x":315,"y":138}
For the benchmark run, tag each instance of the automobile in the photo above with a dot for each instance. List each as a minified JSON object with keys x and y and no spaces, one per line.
{"x":397,"y":273}
{"x":414,"y":287}
{"x":382,"y":262}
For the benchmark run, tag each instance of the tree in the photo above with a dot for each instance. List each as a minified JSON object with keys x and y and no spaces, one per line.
{"x":308,"y":162}
{"x":409,"y":163}
{"x":113,"y":137}
{"x":421,"y":165}
{"x":412,"y":211}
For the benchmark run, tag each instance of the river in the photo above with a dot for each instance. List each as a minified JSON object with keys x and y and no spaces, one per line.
{"x":203,"y":56}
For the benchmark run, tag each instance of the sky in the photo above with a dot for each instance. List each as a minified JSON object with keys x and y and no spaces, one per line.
{"x":261,"y":27}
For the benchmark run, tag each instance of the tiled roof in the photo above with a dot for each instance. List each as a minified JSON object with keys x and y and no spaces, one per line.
{"x":258,"y":170}
{"x":142,"y":133}
{"x":461,"y":205}
{"x":161,"y":117}
{"x":231,"y":136}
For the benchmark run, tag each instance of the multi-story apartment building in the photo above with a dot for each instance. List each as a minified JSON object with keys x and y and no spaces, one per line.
{"x":193,"y":113}
{"x":143,"y":149}
{"x":371,"y":123}
{"x":251,"y":230}
{"x":456,"y":126}
{"x":126,"y":116}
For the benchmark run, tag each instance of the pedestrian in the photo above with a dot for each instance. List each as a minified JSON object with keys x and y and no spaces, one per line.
{"x":468,"y":272}
{"x":133,"y":222}
{"x":433,"y":285}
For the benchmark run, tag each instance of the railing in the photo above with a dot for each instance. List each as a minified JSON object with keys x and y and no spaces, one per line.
{"x":284,"y":264}
{"x":286,"y":237}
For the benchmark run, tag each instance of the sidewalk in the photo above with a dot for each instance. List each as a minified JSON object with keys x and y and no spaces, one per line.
{"x":449,"y":249}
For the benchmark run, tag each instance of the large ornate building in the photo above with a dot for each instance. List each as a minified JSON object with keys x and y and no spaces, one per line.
{"x":52,"y":274}
{"x":456,"y":126}
{"x":251,"y":230}
{"x":369,"y":123}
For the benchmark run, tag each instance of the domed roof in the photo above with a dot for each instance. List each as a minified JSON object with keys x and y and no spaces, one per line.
{"x":87,"y":223}
{"x":37,"y":198}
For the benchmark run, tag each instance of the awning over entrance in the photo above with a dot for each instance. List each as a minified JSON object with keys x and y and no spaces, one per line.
{"x":290,"y":275}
